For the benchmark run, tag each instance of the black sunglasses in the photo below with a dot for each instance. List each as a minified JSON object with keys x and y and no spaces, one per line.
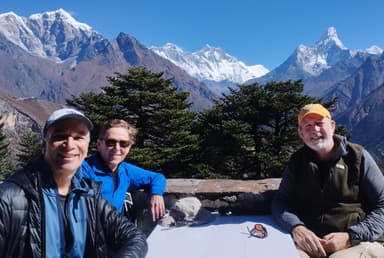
{"x":258,"y":231}
{"x":112,"y":143}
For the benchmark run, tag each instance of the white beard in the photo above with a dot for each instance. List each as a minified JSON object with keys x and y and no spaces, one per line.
{"x":321,"y":144}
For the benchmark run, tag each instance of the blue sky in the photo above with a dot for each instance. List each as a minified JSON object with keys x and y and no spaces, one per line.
{"x":254,"y":31}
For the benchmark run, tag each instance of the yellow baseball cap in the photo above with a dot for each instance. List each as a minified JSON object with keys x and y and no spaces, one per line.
{"x":313,"y":109}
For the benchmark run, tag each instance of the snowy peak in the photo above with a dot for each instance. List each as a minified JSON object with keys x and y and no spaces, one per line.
{"x":15,"y":30}
{"x":214,"y":54}
{"x":60,"y":34}
{"x":327,"y":51}
{"x":322,"y":65}
{"x":172,"y":48}
{"x":55,"y":35}
{"x":60,"y":16}
{"x":374,"y":50}
{"x":171,"y":52}
{"x":328,"y":40}
{"x":210,"y":64}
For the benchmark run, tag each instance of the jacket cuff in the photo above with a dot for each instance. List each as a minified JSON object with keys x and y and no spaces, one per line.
{"x":353,"y":238}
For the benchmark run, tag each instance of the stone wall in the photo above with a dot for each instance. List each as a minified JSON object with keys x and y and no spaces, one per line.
{"x":225,"y":196}
{"x":237,"y":197}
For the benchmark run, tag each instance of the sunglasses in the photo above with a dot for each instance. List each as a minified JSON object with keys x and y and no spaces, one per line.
{"x":258,"y":231}
{"x":112,"y":143}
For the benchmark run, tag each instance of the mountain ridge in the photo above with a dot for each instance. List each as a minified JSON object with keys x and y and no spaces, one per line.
{"x":211,"y":65}
{"x":328,"y":70}
{"x":66,"y":58}
{"x":319,"y":66}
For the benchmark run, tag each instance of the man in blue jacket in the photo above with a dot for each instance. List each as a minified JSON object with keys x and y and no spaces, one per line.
{"x":49,"y":210}
{"x":331,"y":196}
{"x":107,"y":165}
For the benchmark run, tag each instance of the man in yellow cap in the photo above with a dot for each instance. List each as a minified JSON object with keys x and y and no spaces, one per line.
{"x":331,"y":197}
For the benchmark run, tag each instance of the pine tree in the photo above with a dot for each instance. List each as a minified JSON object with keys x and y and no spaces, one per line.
{"x":165,"y":141}
{"x":252,"y":130}
{"x":30,"y":147}
{"x":5,"y":166}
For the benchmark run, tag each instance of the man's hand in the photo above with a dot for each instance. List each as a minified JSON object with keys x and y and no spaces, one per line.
{"x":334,"y":242}
{"x":157,"y":207}
{"x":307,"y":241}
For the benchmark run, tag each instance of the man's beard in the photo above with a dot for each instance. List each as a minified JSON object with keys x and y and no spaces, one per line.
{"x":322,"y":144}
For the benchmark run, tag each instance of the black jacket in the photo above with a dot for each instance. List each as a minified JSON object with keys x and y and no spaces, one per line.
{"x":22,"y":220}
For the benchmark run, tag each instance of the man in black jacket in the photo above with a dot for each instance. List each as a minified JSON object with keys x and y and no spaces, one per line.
{"x":49,"y":210}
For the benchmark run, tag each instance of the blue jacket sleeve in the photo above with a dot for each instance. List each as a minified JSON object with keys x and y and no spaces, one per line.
{"x":282,"y":203}
{"x":141,"y":177}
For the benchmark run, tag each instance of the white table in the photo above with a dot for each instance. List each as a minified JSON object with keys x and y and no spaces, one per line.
{"x":226,"y":237}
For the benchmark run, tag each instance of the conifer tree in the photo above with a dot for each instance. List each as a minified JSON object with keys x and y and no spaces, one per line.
{"x":5,"y":166}
{"x":252,"y":130}
{"x":165,"y":141}
{"x":30,"y":147}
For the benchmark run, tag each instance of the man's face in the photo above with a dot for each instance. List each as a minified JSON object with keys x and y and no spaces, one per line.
{"x":114,"y":146}
{"x":317,"y":132}
{"x":66,"y":145}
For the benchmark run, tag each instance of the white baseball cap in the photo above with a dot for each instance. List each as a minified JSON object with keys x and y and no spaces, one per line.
{"x":66,"y":113}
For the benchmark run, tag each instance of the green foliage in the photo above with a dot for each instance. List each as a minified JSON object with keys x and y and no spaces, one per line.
{"x":30,"y":147}
{"x":165,"y":141}
{"x":252,"y":131}
{"x":5,"y":167}
{"x":249,"y":134}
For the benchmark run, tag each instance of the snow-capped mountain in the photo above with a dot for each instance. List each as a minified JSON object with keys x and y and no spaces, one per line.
{"x":320,"y":66}
{"x":326,"y":52}
{"x":56,"y":35}
{"x":52,"y":56}
{"x":211,"y":64}
{"x":15,"y":29}
{"x":374,"y":50}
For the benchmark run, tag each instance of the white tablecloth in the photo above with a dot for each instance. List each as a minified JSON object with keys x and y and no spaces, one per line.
{"x":226,"y":237}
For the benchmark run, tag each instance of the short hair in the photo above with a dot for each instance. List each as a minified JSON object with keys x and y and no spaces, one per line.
{"x":113,"y":123}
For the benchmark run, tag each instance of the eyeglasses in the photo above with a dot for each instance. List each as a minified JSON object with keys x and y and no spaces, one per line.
{"x":258,"y":231}
{"x":113,"y":142}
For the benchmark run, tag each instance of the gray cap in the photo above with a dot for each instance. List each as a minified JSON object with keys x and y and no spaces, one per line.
{"x":66,"y":113}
